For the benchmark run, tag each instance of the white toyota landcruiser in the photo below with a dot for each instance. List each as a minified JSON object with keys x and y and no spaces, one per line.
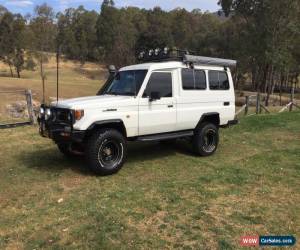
{"x":167,"y":98}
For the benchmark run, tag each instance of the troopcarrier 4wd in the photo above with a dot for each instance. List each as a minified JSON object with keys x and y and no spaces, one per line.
{"x":165,"y":98}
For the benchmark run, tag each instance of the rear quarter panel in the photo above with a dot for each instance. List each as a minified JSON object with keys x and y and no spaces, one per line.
{"x":192,"y":104}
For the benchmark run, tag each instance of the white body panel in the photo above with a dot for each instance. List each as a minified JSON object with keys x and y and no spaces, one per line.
{"x":142,"y":117}
{"x":158,"y":116}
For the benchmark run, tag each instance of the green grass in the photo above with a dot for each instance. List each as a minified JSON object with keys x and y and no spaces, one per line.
{"x":163,"y":198}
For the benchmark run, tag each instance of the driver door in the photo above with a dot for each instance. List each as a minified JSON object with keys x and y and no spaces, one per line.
{"x":158,"y":116}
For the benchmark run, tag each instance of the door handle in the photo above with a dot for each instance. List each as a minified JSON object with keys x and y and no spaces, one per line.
{"x":170,"y":106}
{"x":226,"y":103}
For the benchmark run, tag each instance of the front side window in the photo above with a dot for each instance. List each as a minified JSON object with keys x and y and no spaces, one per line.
{"x":218,"y":80}
{"x":160,"y":82}
{"x":193,"y":79}
{"x":126,"y":83}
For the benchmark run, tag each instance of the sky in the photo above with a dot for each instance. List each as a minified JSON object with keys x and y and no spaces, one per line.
{"x":27,"y":6}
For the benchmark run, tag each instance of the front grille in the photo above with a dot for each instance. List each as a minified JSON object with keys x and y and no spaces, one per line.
{"x":60,"y":115}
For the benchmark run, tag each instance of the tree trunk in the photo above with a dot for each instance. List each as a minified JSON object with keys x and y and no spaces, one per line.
{"x":18,"y":73}
{"x":269,"y":85}
{"x":253,"y":77}
{"x":282,"y":78}
{"x":11,"y":71}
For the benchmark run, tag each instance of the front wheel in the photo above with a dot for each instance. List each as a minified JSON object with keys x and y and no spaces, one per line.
{"x":106,"y":151}
{"x":206,"y":139}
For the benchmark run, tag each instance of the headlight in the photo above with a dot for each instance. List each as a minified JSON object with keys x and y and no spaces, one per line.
{"x":42,"y":110}
{"x":48,"y":114}
{"x":70,"y":117}
{"x":79,"y":113}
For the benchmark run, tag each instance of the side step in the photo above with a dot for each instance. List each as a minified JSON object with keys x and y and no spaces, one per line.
{"x":166,"y":136}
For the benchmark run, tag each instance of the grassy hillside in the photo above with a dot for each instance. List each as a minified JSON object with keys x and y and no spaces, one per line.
{"x":163,"y":198}
{"x":75,"y":79}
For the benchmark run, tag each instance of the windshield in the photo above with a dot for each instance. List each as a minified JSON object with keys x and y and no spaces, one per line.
{"x":126,"y":83}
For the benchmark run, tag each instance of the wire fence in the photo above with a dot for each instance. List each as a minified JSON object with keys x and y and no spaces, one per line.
{"x":256,"y":102}
{"x":16,"y":108}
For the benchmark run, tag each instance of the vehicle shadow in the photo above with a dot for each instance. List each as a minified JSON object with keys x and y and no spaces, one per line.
{"x":51,"y":160}
{"x":141,"y":152}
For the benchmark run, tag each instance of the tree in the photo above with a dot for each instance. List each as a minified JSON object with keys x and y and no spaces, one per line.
{"x":44,"y":31}
{"x":77,"y":34}
{"x":12,"y":44}
{"x":3,"y":10}
{"x":116,"y":35}
{"x":159,"y":32}
{"x":268,"y":30}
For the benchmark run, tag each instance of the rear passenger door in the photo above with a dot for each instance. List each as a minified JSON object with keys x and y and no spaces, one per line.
{"x":158,"y":116}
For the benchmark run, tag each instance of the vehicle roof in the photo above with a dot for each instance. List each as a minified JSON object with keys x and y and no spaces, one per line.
{"x":168,"y":65}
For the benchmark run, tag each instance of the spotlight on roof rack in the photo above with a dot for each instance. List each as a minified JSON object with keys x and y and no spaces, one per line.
{"x":141,"y":55}
{"x":166,"y":50}
{"x":156,"y":52}
{"x":151,"y":52}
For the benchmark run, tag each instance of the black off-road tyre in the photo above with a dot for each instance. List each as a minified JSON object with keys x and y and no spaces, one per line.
{"x":106,"y":151}
{"x":206,"y":139}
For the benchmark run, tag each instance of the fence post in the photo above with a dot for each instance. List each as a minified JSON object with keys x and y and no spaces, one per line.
{"x":28,"y":95}
{"x":247,"y":105}
{"x":258,"y":109}
{"x":292,"y":98}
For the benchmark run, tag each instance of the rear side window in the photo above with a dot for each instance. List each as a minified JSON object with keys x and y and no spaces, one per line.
{"x":159,"y":82}
{"x":218,"y":80}
{"x":193,"y":79}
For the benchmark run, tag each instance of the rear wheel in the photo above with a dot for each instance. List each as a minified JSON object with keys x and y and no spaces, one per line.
{"x":106,"y":151}
{"x":206,"y":139}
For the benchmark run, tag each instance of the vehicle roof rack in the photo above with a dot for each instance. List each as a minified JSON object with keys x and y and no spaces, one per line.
{"x":203,"y":60}
{"x":166,"y":55}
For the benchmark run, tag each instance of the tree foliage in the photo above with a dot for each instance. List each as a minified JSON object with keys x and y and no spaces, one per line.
{"x":269,"y":31}
{"x":263,"y":35}
{"x":43,"y":34}
{"x":12,"y":32}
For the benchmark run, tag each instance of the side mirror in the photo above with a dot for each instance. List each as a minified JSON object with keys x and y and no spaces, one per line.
{"x":154,"y":96}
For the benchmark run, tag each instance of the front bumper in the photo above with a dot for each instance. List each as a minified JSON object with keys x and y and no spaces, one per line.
{"x":60,"y":131}
{"x":62,"y":135}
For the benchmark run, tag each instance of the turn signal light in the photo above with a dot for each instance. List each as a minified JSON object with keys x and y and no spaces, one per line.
{"x":79,"y":114}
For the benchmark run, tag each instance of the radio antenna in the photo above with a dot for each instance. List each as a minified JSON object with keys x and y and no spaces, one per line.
{"x":57,"y":73}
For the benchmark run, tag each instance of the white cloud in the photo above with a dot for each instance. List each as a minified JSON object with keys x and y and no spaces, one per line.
{"x":19,"y":3}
